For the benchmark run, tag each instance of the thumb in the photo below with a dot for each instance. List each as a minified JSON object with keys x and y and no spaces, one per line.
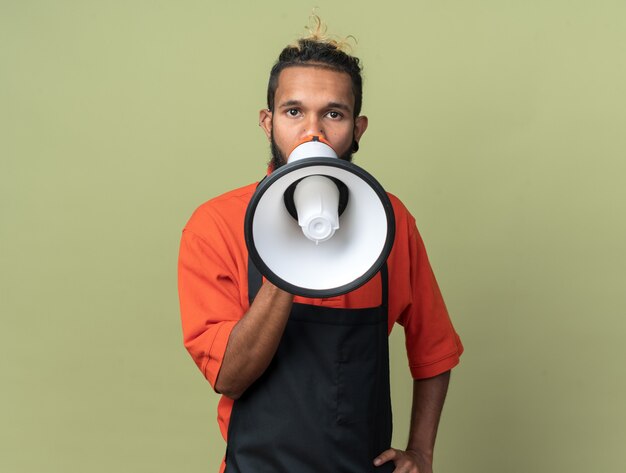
{"x":384,"y":457}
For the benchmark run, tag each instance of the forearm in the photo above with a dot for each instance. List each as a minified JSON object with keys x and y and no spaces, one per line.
{"x":254,"y":341}
{"x":428,"y":398}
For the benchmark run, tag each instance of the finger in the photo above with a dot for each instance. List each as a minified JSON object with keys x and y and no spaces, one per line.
{"x":384,"y":457}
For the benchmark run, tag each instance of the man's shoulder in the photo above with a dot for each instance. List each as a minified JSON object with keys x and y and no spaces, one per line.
{"x":227,"y":207}
{"x":396,"y":202}
{"x":239,"y":196}
{"x":402,"y":215}
{"x":229,"y":201}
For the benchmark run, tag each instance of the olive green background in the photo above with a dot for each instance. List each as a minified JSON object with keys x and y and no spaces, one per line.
{"x":500,"y":124}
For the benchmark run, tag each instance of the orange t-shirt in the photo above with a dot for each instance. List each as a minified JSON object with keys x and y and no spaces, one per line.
{"x":213,"y":289}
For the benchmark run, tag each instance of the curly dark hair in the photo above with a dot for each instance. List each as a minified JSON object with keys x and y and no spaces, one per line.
{"x":317,"y":50}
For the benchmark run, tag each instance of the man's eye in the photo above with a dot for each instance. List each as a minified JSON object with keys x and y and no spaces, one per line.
{"x":334,"y":115}
{"x":293,"y":112}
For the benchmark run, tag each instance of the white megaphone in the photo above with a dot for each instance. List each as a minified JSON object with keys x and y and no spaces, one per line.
{"x":319,"y":226}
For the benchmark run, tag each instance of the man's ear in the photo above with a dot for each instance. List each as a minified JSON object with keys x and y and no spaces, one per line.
{"x":265,"y":121}
{"x":360,"y":125}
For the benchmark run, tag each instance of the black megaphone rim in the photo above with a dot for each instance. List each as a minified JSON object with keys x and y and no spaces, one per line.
{"x":267,"y":182}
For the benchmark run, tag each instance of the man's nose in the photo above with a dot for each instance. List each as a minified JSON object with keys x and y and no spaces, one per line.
{"x":313,"y":126}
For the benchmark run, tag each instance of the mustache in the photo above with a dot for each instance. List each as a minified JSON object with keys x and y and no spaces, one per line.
{"x":278,"y":158}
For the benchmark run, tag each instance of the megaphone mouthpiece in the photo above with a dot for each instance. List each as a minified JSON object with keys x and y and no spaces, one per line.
{"x":312,"y":146}
{"x":316,"y":199}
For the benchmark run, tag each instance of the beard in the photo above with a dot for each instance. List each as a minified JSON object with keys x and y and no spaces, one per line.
{"x":279,"y":159}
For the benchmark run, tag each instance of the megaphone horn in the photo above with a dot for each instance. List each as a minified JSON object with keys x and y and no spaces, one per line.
{"x":319,"y":226}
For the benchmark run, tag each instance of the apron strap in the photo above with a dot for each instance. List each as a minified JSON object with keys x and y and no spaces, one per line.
{"x":254,"y":276}
{"x":384,"y":282}
{"x":255,"y":280}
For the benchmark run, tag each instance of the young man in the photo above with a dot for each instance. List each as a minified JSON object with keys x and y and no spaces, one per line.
{"x":305,"y":382}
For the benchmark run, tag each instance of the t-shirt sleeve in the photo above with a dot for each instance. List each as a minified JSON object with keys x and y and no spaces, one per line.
{"x":432,"y":344}
{"x":210,"y":304}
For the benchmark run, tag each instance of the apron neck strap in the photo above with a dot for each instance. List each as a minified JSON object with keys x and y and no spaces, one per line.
{"x":384,"y":283}
{"x":254,"y":280}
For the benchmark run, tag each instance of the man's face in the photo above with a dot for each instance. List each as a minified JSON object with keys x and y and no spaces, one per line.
{"x":312,"y":101}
